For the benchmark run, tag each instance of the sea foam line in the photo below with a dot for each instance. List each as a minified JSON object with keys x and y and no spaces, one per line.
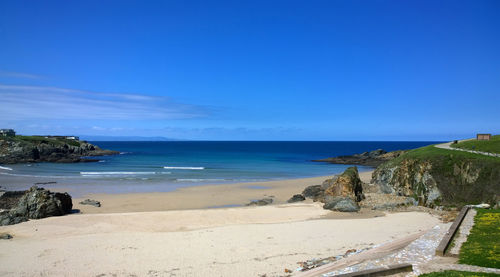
{"x":185,"y":167}
{"x":5,"y":168}
{"x":201,"y":180}
{"x":92,"y":173}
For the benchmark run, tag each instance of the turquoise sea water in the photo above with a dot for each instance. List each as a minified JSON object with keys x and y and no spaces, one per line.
{"x":164,"y":166}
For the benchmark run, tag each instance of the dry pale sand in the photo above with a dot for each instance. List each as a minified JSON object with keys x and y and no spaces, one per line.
{"x":245,"y":241}
{"x":200,"y":197}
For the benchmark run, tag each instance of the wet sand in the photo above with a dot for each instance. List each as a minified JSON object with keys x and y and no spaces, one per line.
{"x":201,"y":197}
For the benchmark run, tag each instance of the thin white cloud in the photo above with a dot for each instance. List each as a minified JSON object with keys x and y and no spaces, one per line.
{"x":19,"y":75}
{"x":36,"y":102}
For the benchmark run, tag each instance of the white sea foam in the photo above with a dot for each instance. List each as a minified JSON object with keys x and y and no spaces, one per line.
{"x":185,"y":167}
{"x":201,"y":180}
{"x":101,"y":173}
{"x":37,"y":176}
{"x":5,"y":168}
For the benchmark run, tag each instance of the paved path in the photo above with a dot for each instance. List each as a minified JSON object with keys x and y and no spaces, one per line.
{"x":447,"y":146}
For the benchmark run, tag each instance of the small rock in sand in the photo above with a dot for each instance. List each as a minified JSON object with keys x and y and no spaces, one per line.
{"x":92,"y":202}
{"x":5,"y":236}
{"x":296,"y":198}
{"x":261,"y":202}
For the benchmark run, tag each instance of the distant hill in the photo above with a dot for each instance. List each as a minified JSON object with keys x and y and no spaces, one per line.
{"x":125,"y":138}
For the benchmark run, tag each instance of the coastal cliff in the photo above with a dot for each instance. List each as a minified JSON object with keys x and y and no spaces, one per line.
{"x":373,"y":158}
{"x":435,"y":177}
{"x":29,"y":149}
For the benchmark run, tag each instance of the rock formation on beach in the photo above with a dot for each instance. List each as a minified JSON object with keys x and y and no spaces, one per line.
{"x":373,"y":158}
{"x":341,"y":193}
{"x":28,"y":149}
{"x":34,"y":203}
{"x":344,"y":192}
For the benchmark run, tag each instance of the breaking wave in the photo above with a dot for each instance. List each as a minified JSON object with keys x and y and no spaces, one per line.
{"x":101,"y":173}
{"x":185,"y":167}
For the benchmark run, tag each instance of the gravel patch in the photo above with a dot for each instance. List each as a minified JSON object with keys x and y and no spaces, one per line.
{"x":463,"y":232}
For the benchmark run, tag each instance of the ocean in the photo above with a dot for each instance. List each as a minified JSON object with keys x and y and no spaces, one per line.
{"x":167,"y":165}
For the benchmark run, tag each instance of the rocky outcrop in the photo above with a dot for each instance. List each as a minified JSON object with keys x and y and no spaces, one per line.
{"x":37,"y":203}
{"x":344,"y":192}
{"x":434,"y":177}
{"x":38,"y":149}
{"x":347,"y":184}
{"x":410,"y":177}
{"x":373,"y":158}
{"x":341,"y":193}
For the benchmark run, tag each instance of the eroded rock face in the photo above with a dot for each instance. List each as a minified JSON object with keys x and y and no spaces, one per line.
{"x":37,"y":203}
{"x":441,"y":180}
{"x":409,"y":178}
{"x":348,"y":184}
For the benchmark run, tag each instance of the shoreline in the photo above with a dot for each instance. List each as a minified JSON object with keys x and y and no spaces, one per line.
{"x":181,"y":233}
{"x":202,"y":197}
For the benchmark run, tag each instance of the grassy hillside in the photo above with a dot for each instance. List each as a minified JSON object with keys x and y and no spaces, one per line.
{"x":492,"y":146}
{"x":448,"y":157}
{"x":42,"y":140}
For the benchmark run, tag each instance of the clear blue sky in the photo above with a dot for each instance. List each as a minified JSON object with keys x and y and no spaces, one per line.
{"x":251,"y":70}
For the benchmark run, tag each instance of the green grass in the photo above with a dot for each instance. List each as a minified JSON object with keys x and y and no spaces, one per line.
{"x":491,"y":146}
{"x":482,"y":247}
{"x":454,"y":273}
{"x":42,"y":140}
{"x":431,"y":152}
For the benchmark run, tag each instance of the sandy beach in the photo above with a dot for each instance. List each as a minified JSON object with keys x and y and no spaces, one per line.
{"x":248,"y":241}
{"x":126,"y":237}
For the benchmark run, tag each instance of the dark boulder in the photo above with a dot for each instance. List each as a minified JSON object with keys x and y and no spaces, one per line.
{"x":296,"y":198}
{"x":315,"y":192}
{"x":341,"y":204}
{"x":37,"y":203}
{"x":9,"y":199}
